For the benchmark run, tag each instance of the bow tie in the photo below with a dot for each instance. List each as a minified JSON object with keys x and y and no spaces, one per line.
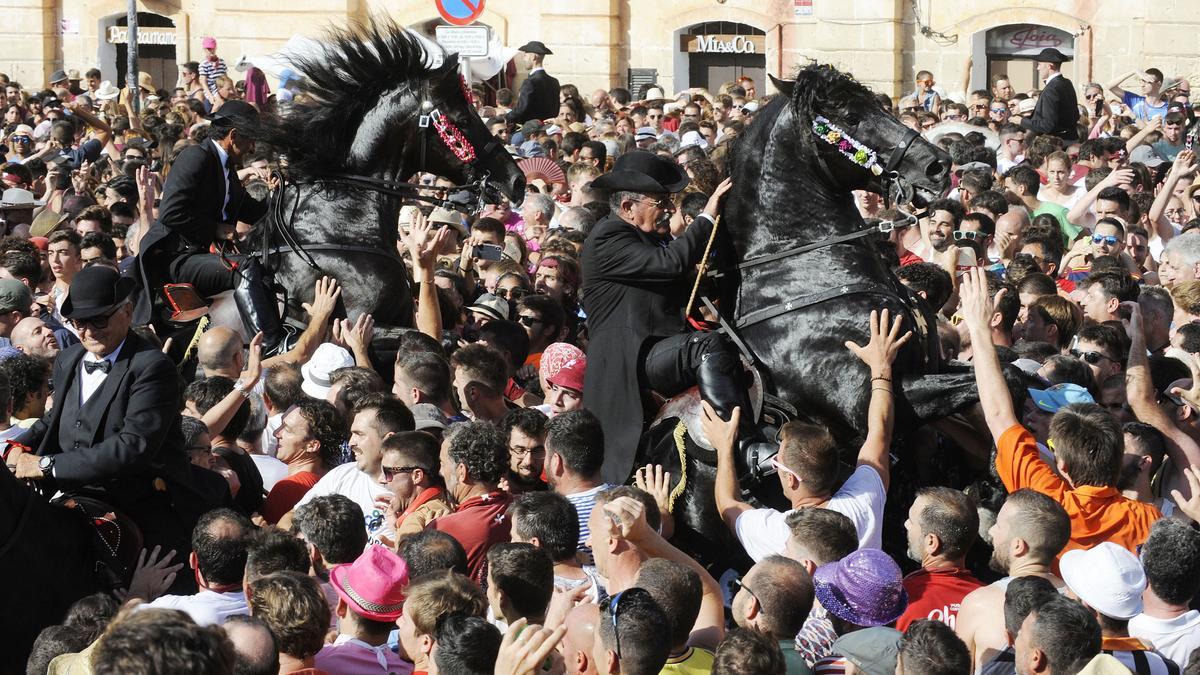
{"x":103,"y":366}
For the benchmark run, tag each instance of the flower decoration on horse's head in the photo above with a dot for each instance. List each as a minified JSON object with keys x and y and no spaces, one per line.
{"x":466,"y":89}
{"x":453,"y":137}
{"x":850,"y":148}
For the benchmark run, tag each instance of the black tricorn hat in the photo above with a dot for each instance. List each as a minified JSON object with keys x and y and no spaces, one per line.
{"x":1051,"y":55}
{"x":234,"y":113}
{"x":641,"y":171}
{"x":536,"y":47}
{"x":95,"y":291}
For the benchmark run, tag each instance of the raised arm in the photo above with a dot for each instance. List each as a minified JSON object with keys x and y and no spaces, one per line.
{"x":1155,"y":124}
{"x":977,"y":310}
{"x":886,"y":341}
{"x":723,"y":436}
{"x":1079,"y":212}
{"x":423,"y":250}
{"x":1115,"y":85}
{"x":325,"y":298}
{"x":1184,"y":165}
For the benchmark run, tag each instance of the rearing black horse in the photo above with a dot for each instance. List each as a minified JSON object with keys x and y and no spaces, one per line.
{"x":373,"y":111}
{"x":798,"y":281}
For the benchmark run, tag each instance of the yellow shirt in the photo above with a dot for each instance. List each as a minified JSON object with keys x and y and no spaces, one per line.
{"x":694,"y":661}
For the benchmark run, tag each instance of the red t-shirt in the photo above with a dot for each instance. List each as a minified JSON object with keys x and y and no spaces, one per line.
{"x":286,"y":493}
{"x":477,"y":524}
{"x":936,"y":594}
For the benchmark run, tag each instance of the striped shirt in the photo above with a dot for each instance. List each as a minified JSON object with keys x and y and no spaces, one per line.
{"x":1138,"y":657}
{"x":584,"y":503}
{"x":211,"y":70}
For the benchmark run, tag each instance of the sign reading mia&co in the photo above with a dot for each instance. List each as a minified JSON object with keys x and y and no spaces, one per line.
{"x":723,"y":44}
{"x":119,"y":35}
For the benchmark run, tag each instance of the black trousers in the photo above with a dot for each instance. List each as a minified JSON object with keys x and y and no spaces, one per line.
{"x":209,"y":273}
{"x":705,"y":359}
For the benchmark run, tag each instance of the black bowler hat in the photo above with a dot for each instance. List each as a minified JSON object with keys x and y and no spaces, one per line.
{"x":234,"y":113}
{"x":1051,"y":55}
{"x":536,"y":47}
{"x":96,"y":291}
{"x":646,"y":172}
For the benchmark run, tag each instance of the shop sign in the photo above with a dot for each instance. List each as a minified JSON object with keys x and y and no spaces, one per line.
{"x":1028,"y":40}
{"x":119,"y":35}
{"x":723,"y":44}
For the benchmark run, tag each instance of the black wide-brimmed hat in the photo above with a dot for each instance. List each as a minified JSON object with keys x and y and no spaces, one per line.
{"x":96,"y":291}
{"x":1051,"y":55}
{"x":536,"y":47}
{"x":234,"y":114}
{"x":641,"y":171}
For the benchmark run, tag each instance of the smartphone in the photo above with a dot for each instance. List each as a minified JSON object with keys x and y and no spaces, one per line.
{"x":489,"y":252}
{"x":1115,"y":108}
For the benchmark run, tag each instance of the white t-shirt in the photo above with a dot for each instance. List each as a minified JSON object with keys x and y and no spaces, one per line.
{"x":764,"y":532}
{"x":362,"y":489}
{"x":1175,"y":638}
{"x":206,"y":608}
{"x":272,"y":470}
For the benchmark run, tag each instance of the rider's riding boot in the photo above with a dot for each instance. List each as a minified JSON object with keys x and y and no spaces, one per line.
{"x":723,"y":383}
{"x":256,"y":303}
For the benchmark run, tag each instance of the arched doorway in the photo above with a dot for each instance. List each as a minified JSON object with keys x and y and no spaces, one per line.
{"x":714,"y":52}
{"x":156,"y":48}
{"x":1010,"y":49}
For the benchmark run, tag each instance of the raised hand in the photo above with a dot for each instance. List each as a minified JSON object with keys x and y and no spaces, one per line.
{"x":977,"y":306}
{"x":253,"y":369}
{"x":1191,"y":505}
{"x":886,"y":341}
{"x":525,"y":648}
{"x":152,"y":577}
{"x":657,"y":482}
{"x":722,"y":434}
{"x":325,"y":297}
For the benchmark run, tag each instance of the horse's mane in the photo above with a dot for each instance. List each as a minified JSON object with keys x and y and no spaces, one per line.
{"x":825,"y":90}
{"x":342,"y":82}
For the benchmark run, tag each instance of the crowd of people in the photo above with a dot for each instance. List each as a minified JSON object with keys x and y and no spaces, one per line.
{"x":300,"y":515}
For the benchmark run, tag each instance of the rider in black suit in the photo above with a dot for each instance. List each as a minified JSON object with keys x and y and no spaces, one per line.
{"x":194,"y":208}
{"x":539,"y":98}
{"x":113,"y":434}
{"x":1057,"y":110}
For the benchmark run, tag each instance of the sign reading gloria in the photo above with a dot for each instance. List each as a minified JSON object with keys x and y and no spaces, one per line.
{"x":1028,"y":40}
{"x":464,"y":40}
{"x":119,"y":35}
{"x":459,"y":12}
{"x":723,"y":44}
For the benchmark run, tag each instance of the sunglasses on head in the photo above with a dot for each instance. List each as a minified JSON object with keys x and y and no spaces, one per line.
{"x":1107,"y":239}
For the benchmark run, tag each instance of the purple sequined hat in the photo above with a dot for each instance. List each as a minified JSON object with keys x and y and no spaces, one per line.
{"x":865,"y":588}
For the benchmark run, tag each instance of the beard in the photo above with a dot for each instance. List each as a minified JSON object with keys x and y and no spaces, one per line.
{"x":999,"y":560}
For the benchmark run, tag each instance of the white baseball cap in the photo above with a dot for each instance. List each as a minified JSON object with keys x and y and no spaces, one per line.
{"x":328,"y":358}
{"x":1107,"y":577}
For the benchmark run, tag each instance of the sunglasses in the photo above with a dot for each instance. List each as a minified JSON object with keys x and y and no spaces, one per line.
{"x":736,"y":584}
{"x":780,"y":467}
{"x":999,"y":110}
{"x":95,"y":322}
{"x":1092,"y":97}
{"x":971,"y":235}
{"x":515,"y":293}
{"x":528,"y":321}
{"x":612,"y":605}
{"x":1091,"y":358}
{"x":1107,"y":239}
{"x":390,"y":472}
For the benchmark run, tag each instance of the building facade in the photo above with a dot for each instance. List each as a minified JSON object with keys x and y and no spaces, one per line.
{"x":678,"y":44}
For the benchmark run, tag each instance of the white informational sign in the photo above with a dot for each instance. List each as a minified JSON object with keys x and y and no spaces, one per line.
{"x":69,"y":26}
{"x":469,"y":41}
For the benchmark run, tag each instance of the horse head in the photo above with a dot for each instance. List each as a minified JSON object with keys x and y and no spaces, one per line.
{"x":380,"y":101}
{"x":858,"y":145}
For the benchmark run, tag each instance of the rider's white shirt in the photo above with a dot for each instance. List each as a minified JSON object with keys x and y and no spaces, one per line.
{"x":764,"y":532}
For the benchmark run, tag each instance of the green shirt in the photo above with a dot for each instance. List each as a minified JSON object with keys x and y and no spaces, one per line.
{"x":1069,"y":230}
{"x":794,"y":659}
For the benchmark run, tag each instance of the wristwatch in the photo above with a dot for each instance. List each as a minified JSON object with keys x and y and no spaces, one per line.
{"x":46,"y":464}
{"x":240,"y":387}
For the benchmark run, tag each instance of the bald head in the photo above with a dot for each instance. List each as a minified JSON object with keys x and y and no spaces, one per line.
{"x":32,"y":336}
{"x":220,"y":352}
{"x":1011,"y":226}
{"x":580,"y":637}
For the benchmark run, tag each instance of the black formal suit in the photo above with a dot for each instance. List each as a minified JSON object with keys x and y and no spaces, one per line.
{"x":123,"y":445}
{"x":539,"y":99}
{"x":176,"y":248}
{"x":1057,"y":111}
{"x":634,"y":293}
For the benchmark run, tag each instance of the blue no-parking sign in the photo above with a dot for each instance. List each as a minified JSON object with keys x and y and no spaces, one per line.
{"x":460,"y":12}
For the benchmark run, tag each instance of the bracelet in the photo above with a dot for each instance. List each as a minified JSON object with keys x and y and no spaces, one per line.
{"x":885,"y":379}
{"x":888,"y":390}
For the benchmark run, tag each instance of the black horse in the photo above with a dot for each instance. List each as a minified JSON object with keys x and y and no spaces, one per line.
{"x":797,"y":283}
{"x":373,"y":111}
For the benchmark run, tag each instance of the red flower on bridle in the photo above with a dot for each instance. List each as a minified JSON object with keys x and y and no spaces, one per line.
{"x":453,"y":137}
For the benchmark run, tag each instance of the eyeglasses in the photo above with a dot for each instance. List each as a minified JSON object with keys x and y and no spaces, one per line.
{"x":95,"y":322}
{"x":736,"y":583}
{"x":520,"y":451}
{"x":664,"y":203}
{"x":390,"y":472}
{"x":780,"y":467}
{"x":1091,"y":358}
{"x":612,"y":606}
{"x":999,"y":110}
{"x":528,"y":321}
{"x":1106,"y":239}
{"x":971,"y":235}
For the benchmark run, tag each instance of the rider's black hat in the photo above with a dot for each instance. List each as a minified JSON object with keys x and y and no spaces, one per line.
{"x":536,"y":47}
{"x":1051,"y":55}
{"x":234,"y":114}
{"x":641,"y":171}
